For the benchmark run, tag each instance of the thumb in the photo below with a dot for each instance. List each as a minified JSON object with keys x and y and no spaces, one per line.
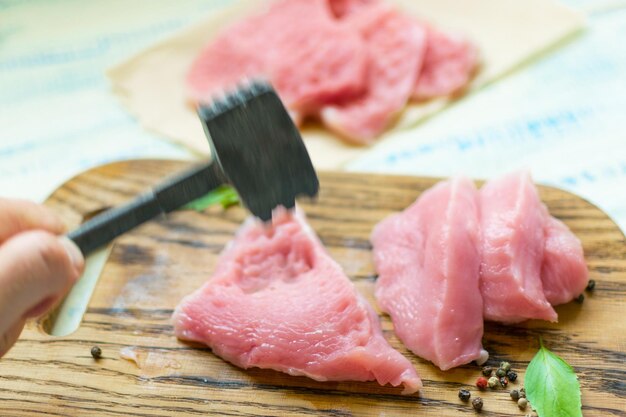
{"x":9,"y":337}
{"x":36,"y":269}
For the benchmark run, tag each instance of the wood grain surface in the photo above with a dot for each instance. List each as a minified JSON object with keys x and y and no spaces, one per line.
{"x":154,"y":266}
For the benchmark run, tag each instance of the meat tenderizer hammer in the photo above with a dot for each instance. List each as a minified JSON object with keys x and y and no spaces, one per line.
{"x":256,"y":148}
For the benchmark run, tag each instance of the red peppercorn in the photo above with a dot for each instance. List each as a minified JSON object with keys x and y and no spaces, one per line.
{"x":482,"y":383}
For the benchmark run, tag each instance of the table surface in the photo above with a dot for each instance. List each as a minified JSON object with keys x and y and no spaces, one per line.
{"x":558,"y":116}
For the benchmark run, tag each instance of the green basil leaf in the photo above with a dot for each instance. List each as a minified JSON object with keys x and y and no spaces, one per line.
{"x":224,"y":195}
{"x":552,"y":387}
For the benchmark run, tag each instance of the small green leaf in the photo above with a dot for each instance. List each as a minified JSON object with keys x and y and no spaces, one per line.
{"x":224,"y":195}
{"x":552,"y":386}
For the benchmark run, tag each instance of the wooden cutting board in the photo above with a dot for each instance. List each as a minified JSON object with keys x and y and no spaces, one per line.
{"x":153,"y":267}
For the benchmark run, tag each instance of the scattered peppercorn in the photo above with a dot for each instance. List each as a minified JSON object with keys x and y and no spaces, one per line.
{"x":522,"y":403}
{"x":493,"y":382}
{"x":522,"y":393}
{"x":96,"y":352}
{"x":514,"y":394}
{"x":481,"y":383}
{"x":487,"y":371}
{"x":591,"y":285}
{"x":464,"y":395}
{"x":500,"y":373}
{"x":512,"y":375}
{"x":506,"y":366}
{"x":477,"y":403}
{"x":580,"y":299}
{"x":504,"y":382}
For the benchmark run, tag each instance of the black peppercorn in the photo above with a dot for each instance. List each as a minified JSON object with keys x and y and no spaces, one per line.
{"x":514,"y":395}
{"x":464,"y":395}
{"x":477,"y":403}
{"x":512,"y":375}
{"x":487,"y":371}
{"x":591,"y":285}
{"x":522,"y":393}
{"x":500,"y":373}
{"x":96,"y":352}
{"x":580,"y":299}
{"x":504,"y":382}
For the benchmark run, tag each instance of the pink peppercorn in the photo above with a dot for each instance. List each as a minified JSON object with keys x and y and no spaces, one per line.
{"x":482,"y":383}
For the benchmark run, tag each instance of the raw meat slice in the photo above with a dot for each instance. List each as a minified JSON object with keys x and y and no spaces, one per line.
{"x":223,"y":63}
{"x":395,"y":46}
{"x":564,"y":273}
{"x":311,"y":60}
{"x":343,"y":8}
{"x":512,"y":218}
{"x":449,"y":62}
{"x":277,"y":300}
{"x":428,"y":262}
{"x":321,"y":66}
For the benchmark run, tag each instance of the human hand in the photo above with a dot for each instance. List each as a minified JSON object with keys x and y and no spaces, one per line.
{"x":37,"y":266}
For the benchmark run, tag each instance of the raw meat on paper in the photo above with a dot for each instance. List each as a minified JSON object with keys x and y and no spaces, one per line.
{"x":395,"y":46}
{"x":295,"y":44}
{"x":449,"y":63}
{"x":353,"y":64}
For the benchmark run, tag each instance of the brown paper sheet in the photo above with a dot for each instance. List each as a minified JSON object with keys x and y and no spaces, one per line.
{"x":507,"y":32}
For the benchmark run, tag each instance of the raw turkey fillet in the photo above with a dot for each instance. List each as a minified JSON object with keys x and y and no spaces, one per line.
{"x":449,"y":63}
{"x":354,"y":64}
{"x":428,"y":261}
{"x":395,"y":49}
{"x":564,"y":273}
{"x":297,"y":45}
{"x":344,"y":8}
{"x":278,"y":301}
{"x":512,"y":221}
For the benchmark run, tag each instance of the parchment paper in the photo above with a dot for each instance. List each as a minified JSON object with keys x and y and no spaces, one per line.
{"x":507,"y":32}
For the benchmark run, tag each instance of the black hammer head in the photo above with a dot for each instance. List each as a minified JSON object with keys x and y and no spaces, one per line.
{"x":259,"y":148}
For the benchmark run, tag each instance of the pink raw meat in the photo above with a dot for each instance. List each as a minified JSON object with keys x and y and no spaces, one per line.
{"x":564,"y":273}
{"x":344,"y":8}
{"x":428,"y":261}
{"x":277,"y":300}
{"x":296,"y":44}
{"x":449,"y":63}
{"x":324,"y":65}
{"x":395,"y":46}
{"x":512,"y":218}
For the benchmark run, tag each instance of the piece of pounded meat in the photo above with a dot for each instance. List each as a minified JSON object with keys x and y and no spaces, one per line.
{"x":395,"y":48}
{"x":428,"y":261}
{"x":564,"y":273}
{"x":449,"y":63}
{"x":512,"y":219}
{"x":297,"y":45}
{"x":277,"y":300}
